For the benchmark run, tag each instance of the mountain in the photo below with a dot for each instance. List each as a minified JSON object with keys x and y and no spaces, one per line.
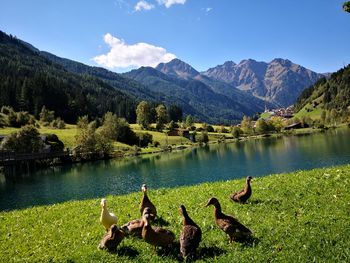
{"x":279,"y":81}
{"x":29,"y":80}
{"x":208,"y":100}
{"x":327,"y":94}
{"x":175,"y":83}
{"x":177,"y":68}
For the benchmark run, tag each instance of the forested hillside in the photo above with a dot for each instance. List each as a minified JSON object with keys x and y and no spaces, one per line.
{"x":29,"y":81}
{"x":327,"y":94}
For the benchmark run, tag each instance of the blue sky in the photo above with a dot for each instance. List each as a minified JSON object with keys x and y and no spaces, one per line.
{"x":124,"y":34}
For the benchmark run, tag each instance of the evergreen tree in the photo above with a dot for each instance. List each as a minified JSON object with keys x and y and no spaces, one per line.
{"x":175,"y":113}
{"x":346,"y":6}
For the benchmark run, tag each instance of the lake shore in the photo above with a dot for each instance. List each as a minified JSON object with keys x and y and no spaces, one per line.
{"x":295,"y":217}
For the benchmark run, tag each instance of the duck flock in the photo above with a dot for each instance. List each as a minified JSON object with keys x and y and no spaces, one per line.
{"x":191,"y":233}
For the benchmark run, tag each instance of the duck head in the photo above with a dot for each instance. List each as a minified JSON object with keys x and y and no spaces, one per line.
{"x":212,"y":201}
{"x":182,"y":210}
{"x":249,"y":179}
{"x":144,"y":188}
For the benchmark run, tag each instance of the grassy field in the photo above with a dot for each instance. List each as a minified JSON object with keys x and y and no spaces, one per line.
{"x":314,"y":114}
{"x":296,"y":217}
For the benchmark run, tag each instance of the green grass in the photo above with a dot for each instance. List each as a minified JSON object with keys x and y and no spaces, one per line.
{"x":265,"y":115}
{"x":314,"y":114}
{"x":296,"y":217}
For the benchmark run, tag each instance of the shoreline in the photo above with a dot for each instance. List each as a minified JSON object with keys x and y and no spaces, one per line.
{"x":120,"y":155}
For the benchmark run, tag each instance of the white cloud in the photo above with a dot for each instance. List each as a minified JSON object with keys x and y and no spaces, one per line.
{"x":208,"y":9}
{"x":122,"y":55}
{"x":143,"y":5}
{"x":169,"y":3}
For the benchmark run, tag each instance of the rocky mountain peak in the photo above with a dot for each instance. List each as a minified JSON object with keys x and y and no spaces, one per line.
{"x":178,"y":68}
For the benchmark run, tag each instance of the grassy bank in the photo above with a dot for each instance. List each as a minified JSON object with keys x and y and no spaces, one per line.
{"x":296,"y":217}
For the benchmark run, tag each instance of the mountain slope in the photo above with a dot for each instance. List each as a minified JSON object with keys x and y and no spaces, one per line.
{"x":327,"y":94}
{"x":195,"y":96}
{"x":116,"y":80}
{"x":28,"y":81}
{"x":179,"y":86}
{"x":279,"y":81}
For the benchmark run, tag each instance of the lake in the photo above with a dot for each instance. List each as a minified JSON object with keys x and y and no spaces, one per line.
{"x":207,"y":164}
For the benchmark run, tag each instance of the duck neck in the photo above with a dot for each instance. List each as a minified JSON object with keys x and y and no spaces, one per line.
{"x":186,"y":219}
{"x":247,"y":186}
{"x":145,"y":196}
{"x":217,"y":210}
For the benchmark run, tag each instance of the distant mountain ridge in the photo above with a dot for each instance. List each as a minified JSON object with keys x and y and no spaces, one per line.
{"x":196,"y":97}
{"x":279,"y":81}
{"x":208,"y":100}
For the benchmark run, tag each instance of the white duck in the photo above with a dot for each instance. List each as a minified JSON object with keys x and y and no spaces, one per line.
{"x":107,"y":219}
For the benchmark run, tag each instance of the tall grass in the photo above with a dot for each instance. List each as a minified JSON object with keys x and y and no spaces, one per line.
{"x":296,"y":217}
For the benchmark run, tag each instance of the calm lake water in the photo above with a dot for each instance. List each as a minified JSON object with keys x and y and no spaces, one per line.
{"x":214,"y":163}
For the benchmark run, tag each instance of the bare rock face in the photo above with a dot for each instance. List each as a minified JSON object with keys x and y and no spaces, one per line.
{"x":279,"y":81}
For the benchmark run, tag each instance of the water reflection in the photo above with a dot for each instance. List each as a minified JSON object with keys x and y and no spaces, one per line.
{"x":192,"y":166}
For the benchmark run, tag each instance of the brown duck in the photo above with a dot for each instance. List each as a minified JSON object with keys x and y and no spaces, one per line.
{"x":243,"y":195}
{"x":190,"y":236}
{"x":155,"y":236}
{"x":133,"y":228}
{"x":111,"y":239}
{"x":230,"y":225}
{"x":145,"y":202}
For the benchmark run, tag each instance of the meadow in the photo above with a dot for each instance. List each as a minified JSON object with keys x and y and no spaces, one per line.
{"x":296,"y":217}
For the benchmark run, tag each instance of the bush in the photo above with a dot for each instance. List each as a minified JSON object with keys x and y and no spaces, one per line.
{"x":144,"y":139}
{"x":203,"y":138}
{"x":236,"y":132}
{"x":210,"y":128}
{"x":26,"y":140}
{"x":58,"y":123}
{"x":55,"y":144}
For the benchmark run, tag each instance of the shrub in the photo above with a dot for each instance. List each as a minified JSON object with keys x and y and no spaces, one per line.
{"x":144,"y":139}
{"x":26,"y":140}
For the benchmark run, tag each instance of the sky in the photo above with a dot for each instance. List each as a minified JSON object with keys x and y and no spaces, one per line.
{"x":124,"y":34}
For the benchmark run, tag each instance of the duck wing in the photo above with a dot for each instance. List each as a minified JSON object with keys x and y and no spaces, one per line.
{"x":133,"y":227}
{"x":237,"y":196}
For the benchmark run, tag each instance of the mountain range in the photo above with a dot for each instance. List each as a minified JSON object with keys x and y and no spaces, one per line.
{"x":222,"y":94}
{"x":279,"y":81}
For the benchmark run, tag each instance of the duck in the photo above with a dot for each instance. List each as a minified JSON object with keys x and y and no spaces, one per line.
{"x":107,"y":219}
{"x":158,"y":237}
{"x":190,"y":236}
{"x":243,"y":195}
{"x":145,"y":202}
{"x":230,"y":225}
{"x":133,"y":228}
{"x":112,"y":238}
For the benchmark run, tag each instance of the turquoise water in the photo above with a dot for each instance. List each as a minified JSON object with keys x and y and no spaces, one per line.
{"x":217,"y":162}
